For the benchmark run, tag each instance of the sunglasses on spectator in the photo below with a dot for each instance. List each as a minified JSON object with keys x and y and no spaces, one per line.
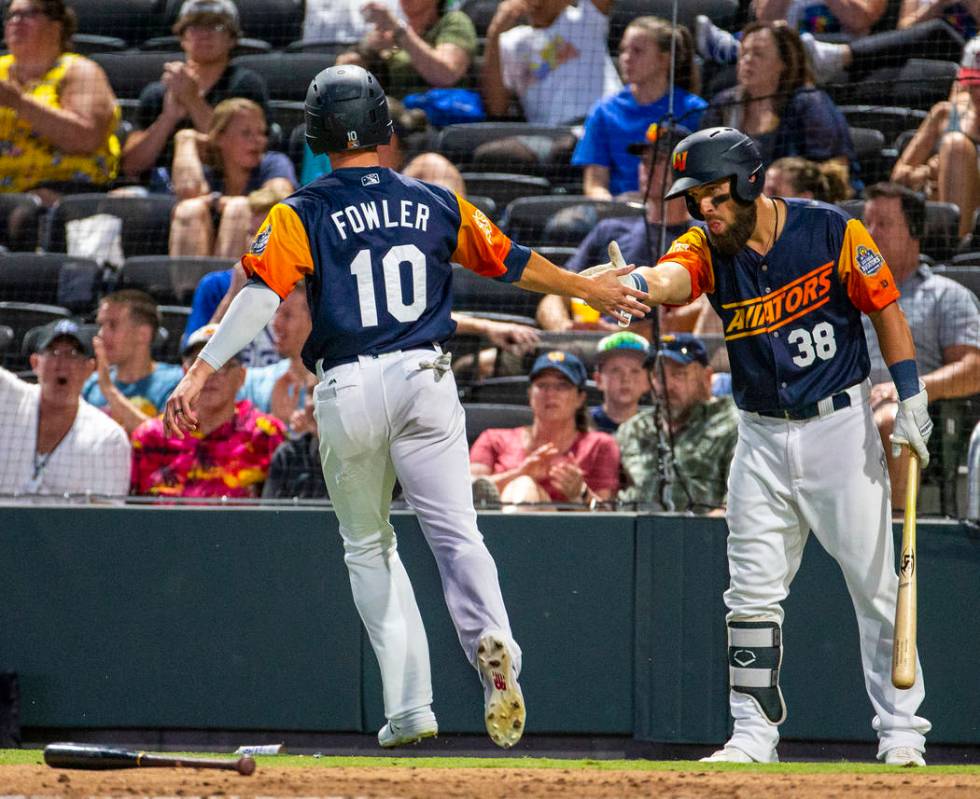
{"x":70,"y":354}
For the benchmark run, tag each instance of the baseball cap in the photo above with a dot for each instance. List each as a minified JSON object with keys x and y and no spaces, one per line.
{"x":195,"y":9}
{"x":684,"y":348}
{"x":197,"y":340}
{"x":660,"y":136}
{"x":40,"y":338}
{"x":564,"y":362}
{"x":621,"y":343}
{"x":970,"y":63}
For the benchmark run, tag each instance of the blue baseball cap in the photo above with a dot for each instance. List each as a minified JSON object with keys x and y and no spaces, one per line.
{"x":565,"y":363}
{"x":684,"y":348}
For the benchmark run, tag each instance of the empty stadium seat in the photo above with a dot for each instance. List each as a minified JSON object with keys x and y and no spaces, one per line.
{"x":532,"y":221}
{"x":21,"y":317}
{"x":170,"y":280}
{"x":868,"y":146}
{"x":557,"y":255}
{"x":246,"y":45}
{"x":145,"y":220}
{"x":130,"y":20}
{"x":20,"y":216}
{"x":130,"y":72}
{"x":890,"y":120}
{"x":492,"y":298}
{"x":721,"y":12}
{"x":481,"y":416}
{"x":49,"y":278}
{"x":459,"y":142}
{"x":287,"y":75}
{"x":942,"y":227}
{"x":503,"y":187}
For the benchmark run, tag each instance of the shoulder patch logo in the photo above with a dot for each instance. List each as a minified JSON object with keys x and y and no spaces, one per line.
{"x":371,"y":179}
{"x":258,"y":246}
{"x":483,"y":223}
{"x":868,"y":261}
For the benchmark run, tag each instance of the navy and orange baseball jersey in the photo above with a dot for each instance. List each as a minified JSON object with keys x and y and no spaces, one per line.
{"x":367,"y":295}
{"x":792,"y":317}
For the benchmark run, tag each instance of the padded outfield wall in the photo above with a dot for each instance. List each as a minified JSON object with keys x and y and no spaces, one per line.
{"x":241,"y":619}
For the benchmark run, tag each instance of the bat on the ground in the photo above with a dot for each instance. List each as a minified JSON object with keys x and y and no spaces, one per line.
{"x":903,"y":655}
{"x":617,"y":261}
{"x":92,"y":756}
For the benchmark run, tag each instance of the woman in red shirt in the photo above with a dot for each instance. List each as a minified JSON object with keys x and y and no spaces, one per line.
{"x":558,"y":458}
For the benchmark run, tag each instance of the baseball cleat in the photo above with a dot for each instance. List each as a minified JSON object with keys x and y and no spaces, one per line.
{"x":504,"y":710}
{"x":732,"y":754}
{"x":904,"y":756}
{"x":409,"y":730}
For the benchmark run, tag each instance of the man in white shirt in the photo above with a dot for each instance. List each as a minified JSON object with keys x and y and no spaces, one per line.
{"x":54,"y":441}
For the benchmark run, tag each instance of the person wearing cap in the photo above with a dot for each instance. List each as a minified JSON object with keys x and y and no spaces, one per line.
{"x":621,"y":375}
{"x":54,"y":442}
{"x":942,"y":159}
{"x":617,"y":121}
{"x":557,"y":458}
{"x":188,"y":91}
{"x":703,"y":430}
{"x":228,"y":455}
{"x":128,"y":384}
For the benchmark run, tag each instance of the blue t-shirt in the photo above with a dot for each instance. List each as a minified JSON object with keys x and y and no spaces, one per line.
{"x":619,"y":121}
{"x":259,"y":382}
{"x":149,"y":395}
{"x":272,"y":165}
{"x":630,"y":232}
{"x":602,"y":420}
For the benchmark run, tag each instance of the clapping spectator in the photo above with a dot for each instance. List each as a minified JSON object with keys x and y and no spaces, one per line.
{"x":227,"y":455}
{"x":431,"y":48}
{"x":58,"y":114}
{"x":54,"y":441}
{"x":188,"y":91}
{"x":557,"y":65}
{"x":558,"y":458}
{"x":621,"y":120}
{"x":214,"y":189}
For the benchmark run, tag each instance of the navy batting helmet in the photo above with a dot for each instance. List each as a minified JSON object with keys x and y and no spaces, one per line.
{"x":713,"y":154}
{"x":346,"y":109}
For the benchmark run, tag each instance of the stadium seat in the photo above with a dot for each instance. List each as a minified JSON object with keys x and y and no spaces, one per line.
{"x":485,"y":204}
{"x":868,"y":146}
{"x":170,"y":280}
{"x":481,"y":416}
{"x":492,"y":298}
{"x":722,"y":13}
{"x":557,"y":255}
{"x":890,"y":120}
{"x":562,"y":220}
{"x":130,"y":72}
{"x":88,"y":43}
{"x":278,"y":22}
{"x":49,"y":278}
{"x":287,"y":75}
{"x":963,"y":272}
{"x":20,"y":216}
{"x":130,"y":20}
{"x":502,"y":187}
{"x":923,"y":82}
{"x":458,"y":142}
{"x":246,"y":45}
{"x":173,"y":320}
{"x":942,"y":227}
{"x":288,"y":115}
{"x":327,"y":48}
{"x":21,"y":317}
{"x":145,"y":220}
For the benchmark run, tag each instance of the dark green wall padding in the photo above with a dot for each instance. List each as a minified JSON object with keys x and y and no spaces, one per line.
{"x":238,"y":618}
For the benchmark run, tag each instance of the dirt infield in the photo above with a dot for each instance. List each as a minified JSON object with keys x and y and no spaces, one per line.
{"x":437,"y":783}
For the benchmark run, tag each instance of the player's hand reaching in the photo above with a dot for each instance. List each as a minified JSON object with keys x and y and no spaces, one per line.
{"x":611,"y":291}
{"x":913,"y":426}
{"x":178,"y":415}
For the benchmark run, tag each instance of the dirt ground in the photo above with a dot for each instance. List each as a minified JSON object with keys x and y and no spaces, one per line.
{"x":431,"y":783}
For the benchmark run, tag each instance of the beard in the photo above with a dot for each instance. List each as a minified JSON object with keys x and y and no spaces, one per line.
{"x":739,"y":232}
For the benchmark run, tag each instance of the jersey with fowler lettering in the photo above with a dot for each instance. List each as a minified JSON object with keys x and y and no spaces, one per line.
{"x":792,"y":317}
{"x":376,"y":250}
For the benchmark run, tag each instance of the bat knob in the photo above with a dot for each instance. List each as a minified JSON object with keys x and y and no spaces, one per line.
{"x":246,"y":766}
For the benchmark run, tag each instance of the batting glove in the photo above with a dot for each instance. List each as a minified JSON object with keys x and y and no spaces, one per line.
{"x":913,"y":426}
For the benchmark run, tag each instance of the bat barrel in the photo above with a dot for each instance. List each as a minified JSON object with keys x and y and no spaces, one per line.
{"x":86,"y":756}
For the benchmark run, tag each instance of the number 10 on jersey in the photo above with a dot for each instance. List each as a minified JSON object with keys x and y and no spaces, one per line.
{"x":367,"y":292}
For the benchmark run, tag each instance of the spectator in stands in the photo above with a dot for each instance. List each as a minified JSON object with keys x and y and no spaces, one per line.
{"x":213,"y":216}
{"x":432,"y":48}
{"x":558,"y":458}
{"x":941,"y":159}
{"x":776,"y":104}
{"x":188,"y":91}
{"x":128,"y":384}
{"x":621,"y":376}
{"x":616,"y":122}
{"x":54,"y":441}
{"x":557,"y":65}
{"x":228,"y":455}
{"x":338,"y":20}
{"x":58,"y":114}
{"x":701,"y":430}
{"x":793,"y":176}
{"x":943,"y":315}
{"x":295,"y":470}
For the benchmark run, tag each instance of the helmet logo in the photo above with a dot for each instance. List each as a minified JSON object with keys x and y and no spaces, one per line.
{"x":352,"y":140}
{"x":680,"y":161}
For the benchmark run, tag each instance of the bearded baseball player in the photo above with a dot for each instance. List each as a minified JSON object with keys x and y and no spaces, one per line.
{"x":790,"y":280}
{"x":376,"y":250}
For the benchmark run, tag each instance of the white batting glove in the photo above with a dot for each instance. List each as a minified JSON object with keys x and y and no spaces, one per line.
{"x":913,"y":426}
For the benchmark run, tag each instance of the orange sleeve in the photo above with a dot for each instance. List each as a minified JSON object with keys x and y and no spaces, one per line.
{"x":483,"y":248}
{"x":863,"y":271}
{"x":691,"y":251}
{"x":280,"y":252}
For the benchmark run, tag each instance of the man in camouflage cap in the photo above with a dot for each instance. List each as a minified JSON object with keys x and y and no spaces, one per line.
{"x":704,"y":430}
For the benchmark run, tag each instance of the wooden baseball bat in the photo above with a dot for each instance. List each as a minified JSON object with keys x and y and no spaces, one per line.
{"x":903,"y":654}
{"x":617,"y":261}
{"x":94,"y":756}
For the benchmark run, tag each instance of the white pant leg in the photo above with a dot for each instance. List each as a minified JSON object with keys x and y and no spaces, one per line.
{"x":845,"y":497}
{"x":765,"y":545}
{"x":431,"y":460}
{"x":357,"y":467}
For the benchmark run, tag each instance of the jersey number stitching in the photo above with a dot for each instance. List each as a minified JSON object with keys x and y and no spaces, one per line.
{"x":361,"y":268}
{"x":818,"y":344}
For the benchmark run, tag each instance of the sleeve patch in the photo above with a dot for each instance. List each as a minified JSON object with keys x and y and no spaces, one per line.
{"x":258,"y":246}
{"x":868,"y":261}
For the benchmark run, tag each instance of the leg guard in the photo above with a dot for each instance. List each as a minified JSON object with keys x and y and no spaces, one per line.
{"x":755,"y":652}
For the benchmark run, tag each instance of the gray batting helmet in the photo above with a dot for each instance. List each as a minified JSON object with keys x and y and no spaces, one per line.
{"x":713,"y":154}
{"x":346,"y":109}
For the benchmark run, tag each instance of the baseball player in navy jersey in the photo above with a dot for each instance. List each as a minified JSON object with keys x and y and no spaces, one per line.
{"x":790,"y":280}
{"x":376,"y":251}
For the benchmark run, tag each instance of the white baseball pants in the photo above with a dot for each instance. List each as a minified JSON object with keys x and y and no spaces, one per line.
{"x":386,"y":416}
{"x":828,"y":475}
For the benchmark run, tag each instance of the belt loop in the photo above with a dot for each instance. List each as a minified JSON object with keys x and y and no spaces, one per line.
{"x":319,"y":369}
{"x":825,"y":406}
